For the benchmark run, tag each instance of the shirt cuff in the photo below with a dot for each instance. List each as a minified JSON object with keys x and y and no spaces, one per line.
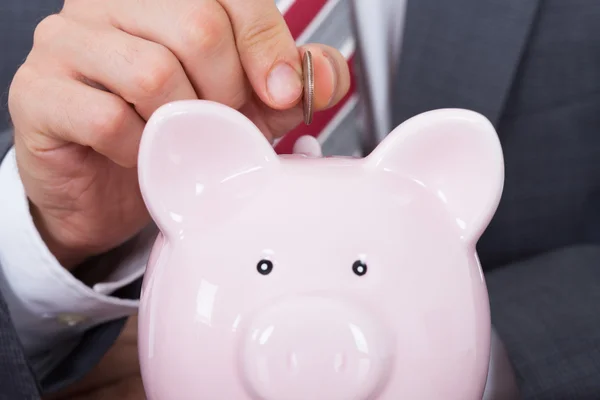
{"x":49,"y":306}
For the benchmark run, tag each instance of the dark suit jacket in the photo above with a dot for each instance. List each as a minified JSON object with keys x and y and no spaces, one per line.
{"x":533,"y":68}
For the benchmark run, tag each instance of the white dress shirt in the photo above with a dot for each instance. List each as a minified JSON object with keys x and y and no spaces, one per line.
{"x":49,"y":306}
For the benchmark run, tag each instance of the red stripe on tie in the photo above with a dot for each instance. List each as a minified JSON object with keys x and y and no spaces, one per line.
{"x":320,"y":119}
{"x":301,"y":13}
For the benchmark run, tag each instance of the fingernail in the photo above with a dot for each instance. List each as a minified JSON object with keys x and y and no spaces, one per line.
{"x":334,"y":75}
{"x":284,"y":84}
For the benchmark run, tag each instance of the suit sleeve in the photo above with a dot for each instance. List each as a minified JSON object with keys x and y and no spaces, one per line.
{"x":64,"y":326}
{"x":17,"y":380}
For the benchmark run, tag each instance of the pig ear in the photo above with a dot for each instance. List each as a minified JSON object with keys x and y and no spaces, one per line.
{"x":188,"y":150}
{"x":456,"y":155}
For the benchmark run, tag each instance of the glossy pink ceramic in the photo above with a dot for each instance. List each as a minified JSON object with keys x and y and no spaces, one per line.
{"x":308,"y":278}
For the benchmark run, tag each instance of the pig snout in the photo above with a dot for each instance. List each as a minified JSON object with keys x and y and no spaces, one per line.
{"x":315,"y":348}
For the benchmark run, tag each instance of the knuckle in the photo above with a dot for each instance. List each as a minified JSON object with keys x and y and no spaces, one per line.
{"x":156,"y":72}
{"x":20,"y":86}
{"x":47,"y":30}
{"x":106,"y":123}
{"x":266,"y":33}
{"x":204,"y":29}
{"x":19,"y":81}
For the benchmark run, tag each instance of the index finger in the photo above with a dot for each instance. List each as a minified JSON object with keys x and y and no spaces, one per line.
{"x":267,"y":51}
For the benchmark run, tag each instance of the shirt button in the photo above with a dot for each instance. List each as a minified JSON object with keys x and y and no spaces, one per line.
{"x":71,"y":319}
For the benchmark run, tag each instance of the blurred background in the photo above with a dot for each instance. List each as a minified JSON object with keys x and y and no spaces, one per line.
{"x":18,"y":19}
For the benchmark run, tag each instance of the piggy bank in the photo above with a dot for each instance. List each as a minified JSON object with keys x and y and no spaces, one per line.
{"x":301,"y":277}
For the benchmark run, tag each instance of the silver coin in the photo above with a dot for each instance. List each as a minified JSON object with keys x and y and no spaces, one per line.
{"x":309,"y":87}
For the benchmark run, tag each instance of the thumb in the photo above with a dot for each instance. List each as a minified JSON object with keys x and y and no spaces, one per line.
{"x":267,"y":51}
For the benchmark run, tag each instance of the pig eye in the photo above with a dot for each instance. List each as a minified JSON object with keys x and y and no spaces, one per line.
{"x":264,"y":267}
{"x":359,"y":268}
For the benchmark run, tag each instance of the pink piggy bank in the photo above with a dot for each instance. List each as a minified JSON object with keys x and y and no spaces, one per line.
{"x":301,"y":277}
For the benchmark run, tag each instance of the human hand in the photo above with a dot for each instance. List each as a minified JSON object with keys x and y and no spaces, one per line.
{"x":100,"y":68}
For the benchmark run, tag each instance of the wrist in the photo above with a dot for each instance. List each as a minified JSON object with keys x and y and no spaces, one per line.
{"x":69,"y":256}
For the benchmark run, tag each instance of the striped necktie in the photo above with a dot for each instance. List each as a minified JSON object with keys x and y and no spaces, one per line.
{"x":327,"y":22}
